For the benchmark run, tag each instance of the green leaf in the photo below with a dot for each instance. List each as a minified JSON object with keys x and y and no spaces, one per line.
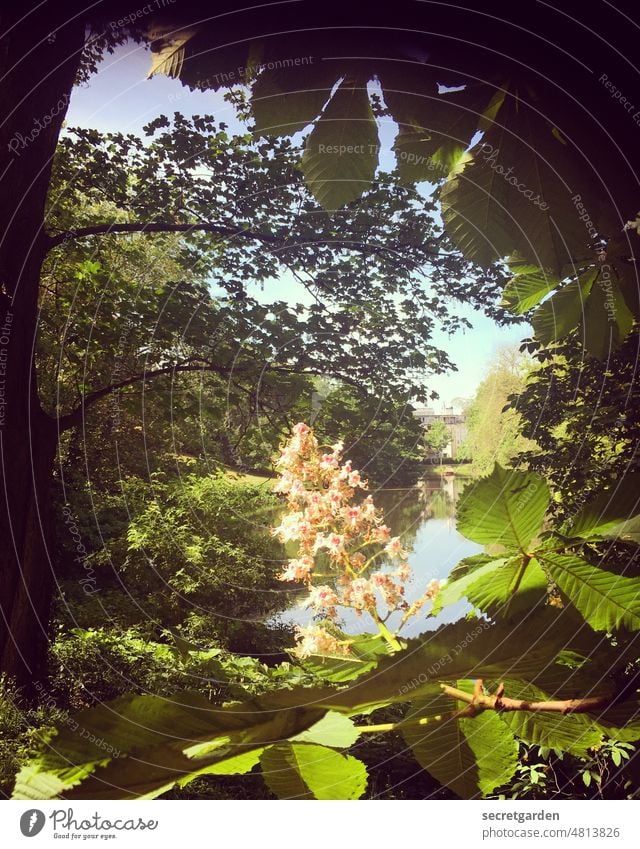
{"x":334,"y":729}
{"x":514,"y":586}
{"x":285,"y":101}
{"x":308,"y":771}
{"x":366,"y":650}
{"x":621,"y":721}
{"x":435,"y":128}
{"x":471,"y":756}
{"x":607,"y":318}
{"x":139,"y":746}
{"x":506,"y":507}
{"x":607,"y":601}
{"x":169,"y":59}
{"x":466,"y":649}
{"x":574,"y":732}
{"x":563,"y":312}
{"x":456,"y":590}
{"x":469,"y":564}
{"x":527,"y":288}
{"x":515,"y":193}
{"x":608,"y":510}
{"x":341,"y":152}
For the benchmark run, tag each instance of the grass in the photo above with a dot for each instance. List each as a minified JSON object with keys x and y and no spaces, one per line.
{"x":456,"y":468}
{"x":249,"y":478}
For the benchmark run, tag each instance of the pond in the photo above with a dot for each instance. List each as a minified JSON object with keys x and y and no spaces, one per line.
{"x":424,"y":518}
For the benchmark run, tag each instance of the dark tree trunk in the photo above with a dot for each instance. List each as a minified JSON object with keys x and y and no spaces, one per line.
{"x":38,"y":70}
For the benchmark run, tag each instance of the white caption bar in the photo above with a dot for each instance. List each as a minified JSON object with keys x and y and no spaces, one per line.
{"x":313,"y":825}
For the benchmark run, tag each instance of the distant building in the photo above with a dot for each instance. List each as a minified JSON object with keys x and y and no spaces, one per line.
{"x":455,"y":422}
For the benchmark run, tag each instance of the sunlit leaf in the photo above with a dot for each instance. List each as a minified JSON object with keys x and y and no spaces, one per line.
{"x":309,"y":771}
{"x":341,"y":152}
{"x":606,"y":600}
{"x":506,"y":507}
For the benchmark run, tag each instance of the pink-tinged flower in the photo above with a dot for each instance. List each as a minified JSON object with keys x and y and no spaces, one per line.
{"x":285,"y":483}
{"x":323,"y":598}
{"x":297,"y":490}
{"x":289,"y":527}
{"x":353,"y":515}
{"x":359,"y":594}
{"x":334,"y":543}
{"x":391,"y":592}
{"x":335,"y":499}
{"x":380,"y":534}
{"x":394,"y":548}
{"x":301,"y":429}
{"x":345,"y":471}
{"x":358,"y":560}
{"x":369,"y":511}
{"x":315,"y":640}
{"x":298,"y":569}
{"x":433,"y":588}
{"x":404,"y":572}
{"x":329,"y":461}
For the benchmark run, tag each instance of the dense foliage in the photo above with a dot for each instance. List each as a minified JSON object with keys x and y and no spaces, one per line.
{"x":164,"y":258}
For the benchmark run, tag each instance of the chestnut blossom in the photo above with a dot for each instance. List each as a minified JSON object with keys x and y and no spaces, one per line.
{"x":359,"y":594}
{"x":394,"y":548}
{"x":289,"y":527}
{"x":298,"y":569}
{"x":323,"y":598}
{"x":316,"y":640}
{"x":391,"y":591}
{"x":433,"y":588}
{"x":334,"y":543}
{"x":327,"y":522}
{"x":380,"y":534}
{"x":404,"y":572}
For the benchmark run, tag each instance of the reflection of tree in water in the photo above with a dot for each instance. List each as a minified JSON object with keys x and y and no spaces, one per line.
{"x":404,"y":512}
{"x":406,"y":509}
{"x":440,"y":506}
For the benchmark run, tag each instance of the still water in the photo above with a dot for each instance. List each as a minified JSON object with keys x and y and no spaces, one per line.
{"x":424,"y":518}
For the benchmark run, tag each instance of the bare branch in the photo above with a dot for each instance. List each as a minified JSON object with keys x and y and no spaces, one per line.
{"x":282,"y":244}
{"x":477,"y":702}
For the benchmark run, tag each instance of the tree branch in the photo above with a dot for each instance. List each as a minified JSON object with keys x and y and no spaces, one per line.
{"x":227,"y":233}
{"x":478,"y":701}
{"x":74,"y":418}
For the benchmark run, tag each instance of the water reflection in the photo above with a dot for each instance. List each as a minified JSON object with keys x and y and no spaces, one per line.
{"x":424,"y":518}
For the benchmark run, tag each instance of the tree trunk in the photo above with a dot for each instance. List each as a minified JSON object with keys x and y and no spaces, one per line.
{"x":40,"y":70}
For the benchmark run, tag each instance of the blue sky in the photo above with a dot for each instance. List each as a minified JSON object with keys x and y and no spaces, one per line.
{"x":119,"y":97}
